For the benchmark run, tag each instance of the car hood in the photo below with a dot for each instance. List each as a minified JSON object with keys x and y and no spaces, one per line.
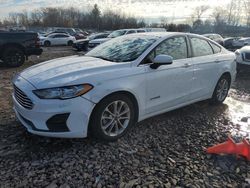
{"x":245,"y":49}
{"x":68,"y":71}
{"x":243,"y":39}
{"x":99,"y":40}
{"x":42,"y":37}
{"x":81,"y":40}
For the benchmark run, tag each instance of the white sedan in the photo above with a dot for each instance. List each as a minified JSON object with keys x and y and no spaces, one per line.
{"x":121,"y":82}
{"x":114,"y":34}
{"x":243,"y":58}
{"x":57,"y":39}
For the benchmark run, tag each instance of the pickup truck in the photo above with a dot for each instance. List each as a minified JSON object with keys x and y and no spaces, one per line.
{"x":15,"y":47}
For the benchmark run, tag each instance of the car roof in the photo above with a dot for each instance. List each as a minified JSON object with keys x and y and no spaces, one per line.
{"x":124,"y":30}
{"x":211,"y":34}
{"x":58,"y":34}
{"x":167,"y":34}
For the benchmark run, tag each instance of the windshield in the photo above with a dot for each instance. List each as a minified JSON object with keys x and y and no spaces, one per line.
{"x":117,"y":33}
{"x":123,"y":49}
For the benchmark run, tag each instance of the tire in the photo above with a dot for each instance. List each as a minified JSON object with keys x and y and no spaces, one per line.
{"x":47,"y":43}
{"x":221,"y":90}
{"x":107,"y":127}
{"x":13,"y":57}
{"x":70,"y":43}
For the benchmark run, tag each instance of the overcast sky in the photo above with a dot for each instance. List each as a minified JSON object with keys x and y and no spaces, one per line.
{"x":150,"y":10}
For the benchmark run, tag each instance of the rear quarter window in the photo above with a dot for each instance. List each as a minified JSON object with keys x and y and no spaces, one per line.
{"x":201,"y":47}
{"x":216,"y":48}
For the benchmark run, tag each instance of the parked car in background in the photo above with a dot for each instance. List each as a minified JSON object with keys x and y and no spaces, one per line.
{"x":83,"y":44}
{"x":120,"y":82}
{"x":243,"y":58}
{"x":231,"y":42}
{"x":99,"y":35}
{"x":79,"y":36}
{"x":42,"y":34}
{"x":154,"y":29}
{"x":57,"y":39}
{"x":78,"y":30}
{"x":215,"y":37}
{"x":77,"y":33}
{"x":114,"y":34}
{"x":242,"y":42}
{"x":70,"y":31}
{"x":53,"y":32}
{"x":16,"y":47}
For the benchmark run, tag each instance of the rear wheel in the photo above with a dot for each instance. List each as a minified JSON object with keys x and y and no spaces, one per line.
{"x":112,"y":117}
{"x":13,"y":57}
{"x":70,"y":43}
{"x":221,"y":90}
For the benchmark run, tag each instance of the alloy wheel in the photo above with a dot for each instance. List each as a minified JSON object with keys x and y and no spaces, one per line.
{"x":222,"y":89}
{"x":115,"y":118}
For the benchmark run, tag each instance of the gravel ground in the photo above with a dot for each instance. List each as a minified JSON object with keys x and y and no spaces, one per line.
{"x":163,"y":151}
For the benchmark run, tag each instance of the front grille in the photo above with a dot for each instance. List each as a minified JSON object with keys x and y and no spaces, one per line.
{"x":22,"y":98}
{"x":247,"y":56}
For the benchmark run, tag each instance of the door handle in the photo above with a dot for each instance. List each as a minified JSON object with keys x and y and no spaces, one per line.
{"x":186,"y":65}
{"x":217,"y":61}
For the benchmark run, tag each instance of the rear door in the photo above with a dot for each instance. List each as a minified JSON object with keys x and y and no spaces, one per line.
{"x":206,"y":66}
{"x":63,"y":39}
{"x":55,"y":39}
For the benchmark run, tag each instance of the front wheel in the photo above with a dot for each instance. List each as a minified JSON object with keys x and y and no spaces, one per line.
{"x":13,"y":57}
{"x":112,"y":117}
{"x":221,"y":90}
{"x":47,"y":43}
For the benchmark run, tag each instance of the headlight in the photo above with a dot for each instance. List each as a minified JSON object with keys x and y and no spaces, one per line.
{"x":237,"y":52}
{"x":66,"y":92}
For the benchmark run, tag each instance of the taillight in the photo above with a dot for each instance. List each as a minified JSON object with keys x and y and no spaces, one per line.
{"x":37,"y":42}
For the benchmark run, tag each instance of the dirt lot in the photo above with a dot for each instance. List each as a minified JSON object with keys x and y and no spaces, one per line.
{"x":163,"y":151}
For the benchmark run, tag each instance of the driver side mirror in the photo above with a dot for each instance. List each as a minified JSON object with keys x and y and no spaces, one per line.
{"x":160,"y":60}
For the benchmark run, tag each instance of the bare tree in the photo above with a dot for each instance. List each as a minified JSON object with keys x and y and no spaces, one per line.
{"x":234,"y":11}
{"x":13,"y":18}
{"x":247,"y":11}
{"x":95,"y":15}
{"x":219,"y":19}
{"x":36,"y":17}
{"x":199,"y":11}
{"x":23,"y":18}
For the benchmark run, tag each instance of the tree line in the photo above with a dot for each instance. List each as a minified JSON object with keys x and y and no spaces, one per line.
{"x":72,"y":17}
{"x":228,"y":20}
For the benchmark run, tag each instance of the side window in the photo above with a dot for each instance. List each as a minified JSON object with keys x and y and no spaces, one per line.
{"x":141,"y":31}
{"x":216,"y":48}
{"x":201,"y":47}
{"x":175,"y":47}
{"x":130,"y":32}
{"x":99,"y":37}
{"x":52,"y":36}
{"x":62,"y":36}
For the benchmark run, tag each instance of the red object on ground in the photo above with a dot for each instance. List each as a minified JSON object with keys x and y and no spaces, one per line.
{"x":230,"y":147}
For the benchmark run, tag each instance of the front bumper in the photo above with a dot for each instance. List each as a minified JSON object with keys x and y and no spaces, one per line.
{"x":81,"y":46}
{"x":39,"y":120}
{"x":93,"y":45}
{"x":33,"y":51}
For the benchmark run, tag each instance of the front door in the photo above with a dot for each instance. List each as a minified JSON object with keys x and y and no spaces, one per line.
{"x":169,"y":85}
